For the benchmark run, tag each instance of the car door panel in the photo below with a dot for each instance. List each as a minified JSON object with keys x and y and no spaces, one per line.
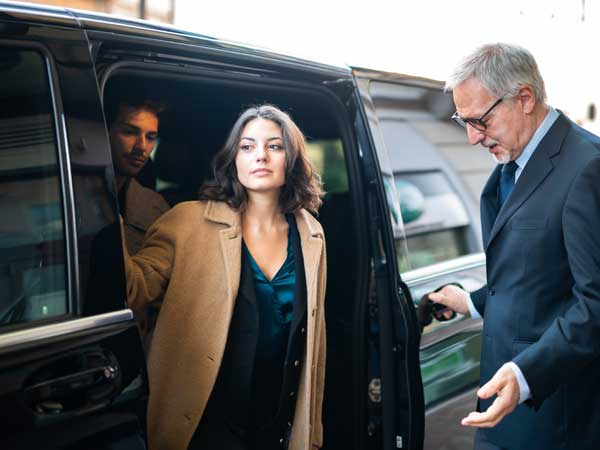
{"x":55,"y":376}
{"x":449,"y":354}
{"x":72,"y":376}
{"x":393,"y":320}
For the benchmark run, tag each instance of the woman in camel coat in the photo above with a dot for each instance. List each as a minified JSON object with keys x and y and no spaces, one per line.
{"x":238,"y":355}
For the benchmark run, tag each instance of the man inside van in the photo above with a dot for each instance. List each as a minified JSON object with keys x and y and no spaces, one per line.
{"x":540,"y":218}
{"x":133,"y":132}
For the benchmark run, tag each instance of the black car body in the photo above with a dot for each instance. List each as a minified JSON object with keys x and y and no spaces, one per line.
{"x":72,"y":367}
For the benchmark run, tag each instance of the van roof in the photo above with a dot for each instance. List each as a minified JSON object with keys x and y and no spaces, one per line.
{"x":90,"y":20}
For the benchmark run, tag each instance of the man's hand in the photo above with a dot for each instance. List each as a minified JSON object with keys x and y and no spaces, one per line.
{"x":505,"y":385}
{"x":453,"y":297}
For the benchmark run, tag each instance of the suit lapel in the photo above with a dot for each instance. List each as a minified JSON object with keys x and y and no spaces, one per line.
{"x":299,"y":312}
{"x":489,"y":205}
{"x":247,"y":289}
{"x":311,"y":241}
{"x":537,"y":169}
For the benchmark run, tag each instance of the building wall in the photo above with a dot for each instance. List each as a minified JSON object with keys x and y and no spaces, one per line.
{"x":155,"y":10}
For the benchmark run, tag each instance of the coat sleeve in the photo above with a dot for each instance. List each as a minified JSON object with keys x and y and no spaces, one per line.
{"x":148,"y":272}
{"x":572,"y":341}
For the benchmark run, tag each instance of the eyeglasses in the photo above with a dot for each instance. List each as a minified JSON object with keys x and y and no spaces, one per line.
{"x":477,"y":123}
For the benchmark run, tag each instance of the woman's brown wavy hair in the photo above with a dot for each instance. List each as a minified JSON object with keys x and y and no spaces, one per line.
{"x":302,"y":188}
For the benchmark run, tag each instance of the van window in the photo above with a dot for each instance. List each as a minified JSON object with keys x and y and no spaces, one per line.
{"x":32,"y":238}
{"x":328,"y":158}
{"x":435,"y":219}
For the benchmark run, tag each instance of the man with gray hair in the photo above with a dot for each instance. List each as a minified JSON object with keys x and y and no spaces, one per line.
{"x":540,"y":218}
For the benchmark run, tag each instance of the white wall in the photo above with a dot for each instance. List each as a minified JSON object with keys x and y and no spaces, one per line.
{"x":420,"y":37}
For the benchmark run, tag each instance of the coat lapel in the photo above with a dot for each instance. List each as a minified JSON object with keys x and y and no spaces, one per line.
{"x":230,"y":243}
{"x":138,"y":212}
{"x":537,"y":169}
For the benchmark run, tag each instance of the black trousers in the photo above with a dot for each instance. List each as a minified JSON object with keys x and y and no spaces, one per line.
{"x":216,"y":436}
{"x":219,"y":435}
{"x":481,"y":443}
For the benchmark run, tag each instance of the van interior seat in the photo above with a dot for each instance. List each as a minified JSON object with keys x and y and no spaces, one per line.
{"x":180,"y":170}
{"x":341,"y":239}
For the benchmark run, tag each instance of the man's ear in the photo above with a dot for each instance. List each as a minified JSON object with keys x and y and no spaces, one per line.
{"x":526,"y":97}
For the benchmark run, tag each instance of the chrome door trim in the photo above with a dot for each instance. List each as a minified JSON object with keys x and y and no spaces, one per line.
{"x":64,"y":328}
{"x":468,"y":325}
{"x":50,"y":11}
{"x":414,"y":277}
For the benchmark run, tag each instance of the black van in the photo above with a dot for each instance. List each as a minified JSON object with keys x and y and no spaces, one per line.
{"x":72,"y":366}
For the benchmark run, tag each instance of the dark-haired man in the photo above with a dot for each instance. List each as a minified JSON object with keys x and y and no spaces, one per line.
{"x":133,"y":133}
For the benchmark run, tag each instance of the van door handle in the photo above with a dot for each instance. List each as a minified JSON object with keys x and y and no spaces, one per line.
{"x":79,"y":380}
{"x":84,"y":390}
{"x":427,"y":310}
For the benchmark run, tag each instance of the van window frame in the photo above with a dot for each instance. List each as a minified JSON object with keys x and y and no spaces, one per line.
{"x":65,"y":186}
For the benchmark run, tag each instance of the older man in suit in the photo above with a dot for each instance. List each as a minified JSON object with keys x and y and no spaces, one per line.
{"x":540,"y":216}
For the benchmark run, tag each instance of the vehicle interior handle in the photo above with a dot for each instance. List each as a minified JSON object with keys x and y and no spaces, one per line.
{"x":84,"y":383}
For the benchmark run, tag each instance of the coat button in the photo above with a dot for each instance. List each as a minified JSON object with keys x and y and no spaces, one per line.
{"x":296,"y":363}
{"x":492,"y":291}
{"x":281,"y":441}
{"x":292,"y":394}
{"x":302,"y":330}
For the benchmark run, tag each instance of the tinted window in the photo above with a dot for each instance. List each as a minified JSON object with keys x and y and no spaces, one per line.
{"x":328,"y":158}
{"x":416,"y":130}
{"x":435,"y":218}
{"x":32,"y":240}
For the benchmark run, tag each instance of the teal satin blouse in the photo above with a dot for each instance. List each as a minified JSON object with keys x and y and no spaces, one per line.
{"x":275,"y":301}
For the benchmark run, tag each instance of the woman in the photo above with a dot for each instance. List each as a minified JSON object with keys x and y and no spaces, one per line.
{"x":238,"y":355}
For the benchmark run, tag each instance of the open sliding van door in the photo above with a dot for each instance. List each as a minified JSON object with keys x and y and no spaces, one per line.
{"x":396,"y":411}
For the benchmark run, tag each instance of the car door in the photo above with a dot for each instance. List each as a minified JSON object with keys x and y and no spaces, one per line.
{"x":72,"y":369}
{"x":395,"y":386}
{"x":438,"y":237}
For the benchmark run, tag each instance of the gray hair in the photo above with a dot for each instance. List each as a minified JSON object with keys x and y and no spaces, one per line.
{"x":502,"y":69}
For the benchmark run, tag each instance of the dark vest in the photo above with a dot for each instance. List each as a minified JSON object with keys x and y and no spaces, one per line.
{"x":258,"y":402}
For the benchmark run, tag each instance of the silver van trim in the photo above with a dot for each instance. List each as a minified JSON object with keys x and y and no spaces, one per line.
{"x":467,"y":325}
{"x":64,"y":328}
{"x":413,"y":277}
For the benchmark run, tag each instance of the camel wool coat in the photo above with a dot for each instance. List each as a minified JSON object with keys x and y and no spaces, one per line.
{"x":191,"y":260}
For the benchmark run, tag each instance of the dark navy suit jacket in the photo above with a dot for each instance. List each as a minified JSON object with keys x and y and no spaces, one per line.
{"x":541,"y":304}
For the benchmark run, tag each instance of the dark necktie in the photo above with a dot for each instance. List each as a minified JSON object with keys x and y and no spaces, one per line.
{"x":507,"y":181}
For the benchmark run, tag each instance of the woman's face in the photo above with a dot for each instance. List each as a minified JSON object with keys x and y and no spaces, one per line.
{"x":260,"y":159}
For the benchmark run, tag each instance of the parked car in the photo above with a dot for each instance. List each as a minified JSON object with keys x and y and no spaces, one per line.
{"x":72,"y":366}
